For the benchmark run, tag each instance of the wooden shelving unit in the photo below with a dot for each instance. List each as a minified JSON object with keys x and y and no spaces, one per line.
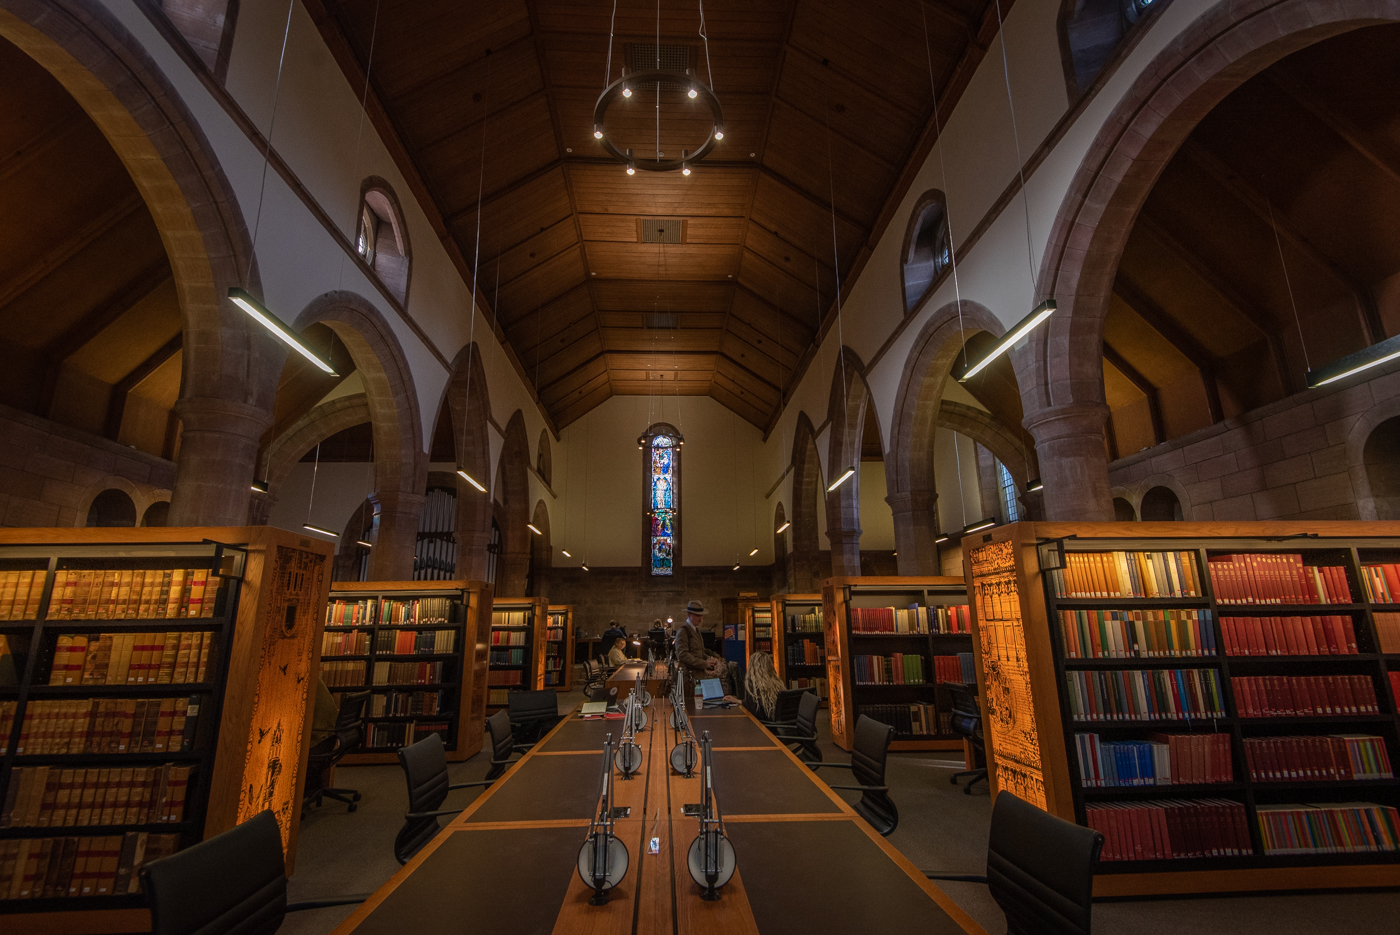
{"x":791,"y":639}
{"x":247,"y":720}
{"x":1027,"y":661}
{"x":385,"y":612}
{"x":848,"y":698}
{"x":759,"y":635}
{"x":559,"y":645}
{"x":529,"y":649}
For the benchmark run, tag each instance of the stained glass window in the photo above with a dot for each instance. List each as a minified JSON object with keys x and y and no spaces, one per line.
{"x":661,"y":451}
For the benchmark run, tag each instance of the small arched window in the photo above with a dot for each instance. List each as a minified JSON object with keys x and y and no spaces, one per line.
{"x":661,"y":496}
{"x":1009,"y":505}
{"x":928,"y":251}
{"x":544,"y":459}
{"x":381,"y":237}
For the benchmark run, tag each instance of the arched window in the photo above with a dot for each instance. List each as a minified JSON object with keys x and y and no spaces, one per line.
{"x":927,"y":249}
{"x":381,"y":238}
{"x":1091,"y":32}
{"x":661,"y":492}
{"x":1009,"y":504}
{"x":493,"y":552}
{"x":544,"y":458}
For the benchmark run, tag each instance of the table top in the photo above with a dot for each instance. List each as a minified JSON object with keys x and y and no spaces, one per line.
{"x":808,"y":865}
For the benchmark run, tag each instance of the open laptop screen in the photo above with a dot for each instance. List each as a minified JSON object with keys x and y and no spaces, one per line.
{"x":711,"y":690}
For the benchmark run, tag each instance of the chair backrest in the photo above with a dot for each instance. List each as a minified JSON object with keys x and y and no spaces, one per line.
{"x":350,"y":721}
{"x":529,"y":705}
{"x":807,"y":707}
{"x":966,"y":717}
{"x":502,"y":737}
{"x":1040,"y":869}
{"x":787,"y":703}
{"x":425,"y":768}
{"x":233,"y":882}
{"x":868,"y":766}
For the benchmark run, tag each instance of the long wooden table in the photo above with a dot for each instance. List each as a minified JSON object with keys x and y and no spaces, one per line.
{"x":808,"y":865}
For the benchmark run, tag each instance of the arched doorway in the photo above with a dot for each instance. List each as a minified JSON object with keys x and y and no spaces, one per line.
{"x":112,"y":507}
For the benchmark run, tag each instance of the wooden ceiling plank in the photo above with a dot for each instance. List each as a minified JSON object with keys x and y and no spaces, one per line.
{"x":737,"y":404}
{"x":1154,"y":398}
{"x":1161,"y":322}
{"x":1368,"y":146}
{"x":65,"y":250}
{"x":571,"y":413}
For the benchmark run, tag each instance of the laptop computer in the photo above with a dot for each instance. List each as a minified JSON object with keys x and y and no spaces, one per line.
{"x":594,"y":709}
{"x":711,"y":692}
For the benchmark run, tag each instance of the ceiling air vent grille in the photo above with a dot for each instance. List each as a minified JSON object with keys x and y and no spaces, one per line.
{"x":663,"y":320}
{"x":641,"y":56}
{"x":661,"y":230}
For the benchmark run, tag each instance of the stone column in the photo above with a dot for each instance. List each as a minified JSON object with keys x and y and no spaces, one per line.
{"x":1069,"y":443}
{"x":395,"y":534}
{"x":513,"y":573}
{"x":914,"y":531}
{"x":845,"y":551}
{"x":260,"y":507}
{"x":473,"y":532}
{"x":803,"y":574}
{"x":218,"y":458}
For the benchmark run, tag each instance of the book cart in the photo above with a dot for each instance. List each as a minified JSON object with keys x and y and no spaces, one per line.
{"x":875,"y":669}
{"x":414,"y":646}
{"x":799,"y":642}
{"x":1219,"y":699}
{"x":516,"y":647}
{"x":155,"y":690}
{"x":559,"y":648}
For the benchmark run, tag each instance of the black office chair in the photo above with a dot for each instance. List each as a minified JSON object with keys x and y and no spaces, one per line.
{"x":235,"y":882}
{"x":503,"y":745}
{"x":966,"y":721}
{"x":868,"y":767}
{"x":533,"y":713}
{"x":801,"y":737}
{"x":592,"y":676}
{"x":349,"y":734}
{"x":425,"y":768}
{"x":785,"y":709}
{"x":1040,"y":869}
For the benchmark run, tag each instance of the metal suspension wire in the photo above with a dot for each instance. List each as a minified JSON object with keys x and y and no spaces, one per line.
{"x":1289,"y":283}
{"x":267,"y":148}
{"x":840,"y":333}
{"x":1016,"y":137}
{"x":476,"y":260}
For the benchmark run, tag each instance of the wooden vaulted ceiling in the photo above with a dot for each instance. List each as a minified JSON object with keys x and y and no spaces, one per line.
{"x":560,"y":254}
{"x":1202,"y":325}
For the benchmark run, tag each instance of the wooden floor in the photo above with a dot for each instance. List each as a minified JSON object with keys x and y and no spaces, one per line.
{"x":807,"y":863}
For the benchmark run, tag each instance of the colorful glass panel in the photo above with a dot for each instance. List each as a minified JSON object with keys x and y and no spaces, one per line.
{"x":662,"y":503}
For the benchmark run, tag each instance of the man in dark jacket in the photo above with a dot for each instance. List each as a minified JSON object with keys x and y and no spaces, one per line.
{"x":690,"y":647}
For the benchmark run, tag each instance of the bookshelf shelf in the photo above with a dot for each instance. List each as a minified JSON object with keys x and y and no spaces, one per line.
{"x":559,"y":648}
{"x":791,"y":642}
{"x":448,"y":613}
{"x":863,"y":618}
{"x":1038,"y":646}
{"x":529,"y":673}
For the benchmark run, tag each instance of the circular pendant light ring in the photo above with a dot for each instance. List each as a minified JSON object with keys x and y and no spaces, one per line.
{"x":641,"y":79}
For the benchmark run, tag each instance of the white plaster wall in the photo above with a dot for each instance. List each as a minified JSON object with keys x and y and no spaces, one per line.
{"x":340,"y":489}
{"x":876,"y":520}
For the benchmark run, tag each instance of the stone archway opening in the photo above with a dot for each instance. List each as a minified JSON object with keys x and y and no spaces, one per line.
{"x":1160,"y":505}
{"x":1381,"y":457}
{"x":112,"y":507}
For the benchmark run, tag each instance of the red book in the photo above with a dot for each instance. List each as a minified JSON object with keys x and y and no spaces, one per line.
{"x":1391,"y":573}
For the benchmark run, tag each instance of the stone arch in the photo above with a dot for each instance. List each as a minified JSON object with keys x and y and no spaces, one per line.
{"x":780,"y":550}
{"x":157,"y":514}
{"x":926,"y":243}
{"x":400,"y":463}
{"x":544,"y":459}
{"x":918,"y":412}
{"x":230,"y":369}
{"x":310,"y":430}
{"x":1060,"y":370}
{"x":806,"y":498}
{"x":1160,"y":504}
{"x":541,"y":550}
{"x":391,"y":262}
{"x":1139,"y":490}
{"x":1370,"y":502}
{"x":846,"y":413}
{"x":140,"y":498}
{"x":468,"y":403}
{"x":512,"y":577}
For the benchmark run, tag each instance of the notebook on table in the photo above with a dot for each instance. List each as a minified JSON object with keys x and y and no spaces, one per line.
{"x":594,"y":709}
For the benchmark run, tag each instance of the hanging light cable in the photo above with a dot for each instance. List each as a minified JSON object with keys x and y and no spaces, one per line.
{"x":311,"y":501}
{"x":840,"y":333}
{"x":476,"y":277}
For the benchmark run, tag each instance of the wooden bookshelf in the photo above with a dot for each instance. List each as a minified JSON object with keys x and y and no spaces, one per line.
{"x":789,"y":638}
{"x":848,"y":698}
{"x":531,"y":636}
{"x":561,"y":622}
{"x":759,"y":635}
{"x":384,"y":611}
{"x":247,"y":719}
{"x":1032,"y":618}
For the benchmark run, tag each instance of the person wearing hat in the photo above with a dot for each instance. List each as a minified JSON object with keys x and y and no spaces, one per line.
{"x":690,"y":647}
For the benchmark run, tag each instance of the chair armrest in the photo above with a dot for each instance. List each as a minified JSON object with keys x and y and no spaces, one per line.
{"x":409,"y":816}
{"x":833,"y":765}
{"x":329,"y":901}
{"x":469,"y":785}
{"x":788,"y":735}
{"x":863,"y":788}
{"x":957,"y":877}
{"x":521,"y":747}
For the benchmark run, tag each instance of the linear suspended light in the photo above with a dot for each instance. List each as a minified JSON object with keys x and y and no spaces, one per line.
{"x":940,"y":539}
{"x":324,"y":532}
{"x":534,"y":529}
{"x":736,"y":566}
{"x":1364,"y":359}
{"x":984,"y":524}
{"x":584,"y":567}
{"x":1033,"y":486}
{"x":274,"y":324}
{"x":850,"y":471}
{"x":753,"y":553}
{"x":368,"y":545}
{"x":259,"y":485}
{"x":470,"y":480}
{"x":1024,"y":327}
{"x":782,"y":528}
{"x":566,"y":553}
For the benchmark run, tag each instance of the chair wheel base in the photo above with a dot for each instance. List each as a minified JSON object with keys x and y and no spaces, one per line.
{"x":352,"y":807}
{"x":355,"y":797}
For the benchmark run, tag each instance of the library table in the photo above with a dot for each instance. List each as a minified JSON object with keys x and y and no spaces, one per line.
{"x":626,"y":676}
{"x":807,"y":864}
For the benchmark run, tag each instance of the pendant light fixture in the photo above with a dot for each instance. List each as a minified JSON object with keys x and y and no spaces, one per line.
{"x":782,"y":529}
{"x":847,"y":475}
{"x":534,"y":529}
{"x":987,"y":523}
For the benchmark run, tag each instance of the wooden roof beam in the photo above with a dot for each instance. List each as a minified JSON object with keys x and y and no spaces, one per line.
{"x":116,"y":404}
{"x":1158,"y":320}
{"x":1154,"y":399}
{"x":1366,"y":145}
{"x":64,"y":251}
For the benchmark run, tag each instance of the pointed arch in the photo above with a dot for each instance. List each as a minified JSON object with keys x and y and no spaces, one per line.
{"x":512,"y":578}
{"x":468,"y":402}
{"x":541,"y":550}
{"x":846,"y":413}
{"x":806,"y":500}
{"x":781,"y":579}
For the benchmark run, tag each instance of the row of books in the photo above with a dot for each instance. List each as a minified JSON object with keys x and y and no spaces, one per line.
{"x":1381,"y":583}
{"x":1335,"y":758}
{"x":554,"y":663}
{"x":47,"y":868}
{"x":950,"y":618}
{"x":1117,"y":634}
{"x":392,"y":612}
{"x":342,"y":674}
{"x":508,"y":637}
{"x":498,"y":697}
{"x":1332,"y":635}
{"x":505,"y":677}
{"x":894,"y":669}
{"x":554,"y":634}
{"x":1170,"y":829}
{"x":7,"y":724}
{"x":1160,"y":760}
{"x":142,"y":594}
{"x":1343,"y":828}
{"x":817,"y":685}
{"x":1276,"y":578}
{"x":510,"y":618}
{"x":108,"y":725}
{"x":1127,"y":574}
{"x":1304,"y":695}
{"x":20,"y":595}
{"x":553,"y":678}
{"x":957,"y":668}
{"x":345,"y":643}
{"x":407,"y":673}
{"x":53,"y":797}
{"x":806,"y":653}
{"x":1145,"y":694}
{"x":1387,"y":631}
{"x":404,"y":704}
{"x":9,"y":673}
{"x":919,"y":718}
{"x":409,"y":642}
{"x":402,"y":734}
{"x":507,"y":657}
{"x":176,"y":657}
{"x":1394,"y":683}
{"x":805,"y":623}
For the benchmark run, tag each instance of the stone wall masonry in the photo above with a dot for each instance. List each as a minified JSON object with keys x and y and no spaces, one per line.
{"x":50,"y":473}
{"x":1298,"y":458}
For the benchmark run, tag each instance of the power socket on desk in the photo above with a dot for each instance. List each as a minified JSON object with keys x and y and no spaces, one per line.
{"x":621,"y":811}
{"x":691,"y":810}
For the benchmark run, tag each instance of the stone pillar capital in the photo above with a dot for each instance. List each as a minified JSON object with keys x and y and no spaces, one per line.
{"x":1081,"y":418}
{"x":218,"y":461}
{"x":1069,"y":444}
{"x":911,"y":501}
{"x":226,"y":416}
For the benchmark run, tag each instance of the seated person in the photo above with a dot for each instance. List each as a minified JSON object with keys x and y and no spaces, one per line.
{"x":716,"y":667}
{"x":761,"y":687}
{"x":617,"y":656}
